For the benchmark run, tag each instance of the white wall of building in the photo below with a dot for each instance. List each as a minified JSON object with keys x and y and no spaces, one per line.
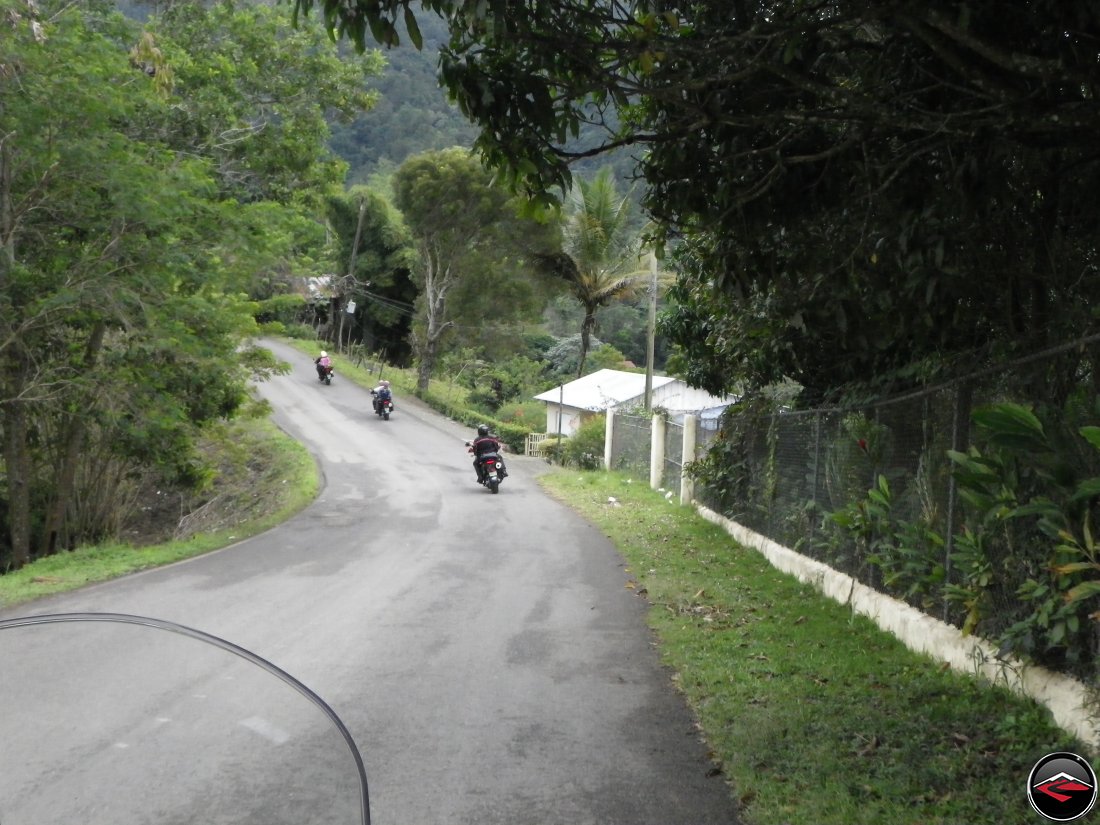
{"x":571,"y":418}
{"x":679,"y":397}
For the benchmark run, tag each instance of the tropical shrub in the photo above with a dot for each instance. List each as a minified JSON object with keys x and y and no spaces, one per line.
{"x":584,"y":449}
{"x":1031,"y":496}
{"x":524,"y":413}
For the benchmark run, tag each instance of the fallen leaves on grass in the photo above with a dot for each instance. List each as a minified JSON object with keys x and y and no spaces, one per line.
{"x":870,"y":744}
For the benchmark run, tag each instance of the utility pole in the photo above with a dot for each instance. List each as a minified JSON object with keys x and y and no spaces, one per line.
{"x":350,"y":278}
{"x":651,"y":332}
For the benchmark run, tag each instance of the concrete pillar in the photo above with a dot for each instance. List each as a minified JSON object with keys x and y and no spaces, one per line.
{"x":657,"y":451}
{"x":608,"y":435}
{"x":687,"y":452}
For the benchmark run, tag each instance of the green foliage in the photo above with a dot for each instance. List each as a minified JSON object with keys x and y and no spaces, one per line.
{"x":303,"y":332}
{"x":155,"y":186}
{"x":493,"y":385}
{"x":600,"y":259}
{"x":858,"y":454}
{"x":563,"y":359}
{"x":412,"y":115}
{"x":473,"y":245}
{"x":528,"y":414}
{"x":1024,"y":569}
{"x":536,"y":343}
{"x":878,"y":248}
{"x":585,"y":448}
{"x":727,"y":470}
{"x":513,"y":435}
{"x":1031,"y":502}
{"x":279,"y":308}
{"x":264,"y":477}
{"x":239,"y":72}
{"x":606,"y":357}
{"x":378,"y":272}
{"x":909,"y":554}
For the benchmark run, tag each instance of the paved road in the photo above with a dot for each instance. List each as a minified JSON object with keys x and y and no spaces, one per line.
{"x":483,"y":650}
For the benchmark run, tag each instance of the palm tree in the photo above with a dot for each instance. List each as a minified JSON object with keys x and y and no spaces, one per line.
{"x":600,"y":257}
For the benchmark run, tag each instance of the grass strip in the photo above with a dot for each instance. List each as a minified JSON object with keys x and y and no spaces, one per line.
{"x":265,"y":477}
{"x":814,"y":714}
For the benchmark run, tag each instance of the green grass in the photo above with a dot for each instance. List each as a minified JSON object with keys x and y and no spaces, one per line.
{"x":265,"y":478}
{"x":814,"y":714}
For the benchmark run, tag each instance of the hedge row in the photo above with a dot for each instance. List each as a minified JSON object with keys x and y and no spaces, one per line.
{"x":513,"y":435}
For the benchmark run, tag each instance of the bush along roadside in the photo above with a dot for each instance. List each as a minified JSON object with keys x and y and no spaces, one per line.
{"x":814,"y":714}
{"x":263,"y":478}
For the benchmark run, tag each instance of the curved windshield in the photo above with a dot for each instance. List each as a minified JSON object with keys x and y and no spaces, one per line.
{"x":109,"y":719}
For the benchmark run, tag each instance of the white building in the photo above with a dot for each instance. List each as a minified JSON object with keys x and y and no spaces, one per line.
{"x":568,"y":405}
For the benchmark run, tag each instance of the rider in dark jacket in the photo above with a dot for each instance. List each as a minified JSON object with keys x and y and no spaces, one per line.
{"x":381,"y":393}
{"x":485,"y":443}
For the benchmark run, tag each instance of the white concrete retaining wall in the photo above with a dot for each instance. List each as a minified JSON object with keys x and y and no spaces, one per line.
{"x":1067,"y":698}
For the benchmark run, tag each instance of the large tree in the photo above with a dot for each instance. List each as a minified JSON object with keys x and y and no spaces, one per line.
{"x":377,"y":257}
{"x":98,"y":225}
{"x":472,"y":245}
{"x":127,"y":238}
{"x":862,"y":187}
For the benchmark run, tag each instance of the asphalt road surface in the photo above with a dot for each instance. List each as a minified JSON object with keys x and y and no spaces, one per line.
{"x":483,"y":651}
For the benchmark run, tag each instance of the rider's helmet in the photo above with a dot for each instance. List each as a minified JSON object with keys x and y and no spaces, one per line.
{"x":384,"y":383}
{"x":324,"y":354}
{"x":482,"y":430}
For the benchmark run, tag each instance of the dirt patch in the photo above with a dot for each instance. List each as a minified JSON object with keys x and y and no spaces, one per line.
{"x":248,"y":484}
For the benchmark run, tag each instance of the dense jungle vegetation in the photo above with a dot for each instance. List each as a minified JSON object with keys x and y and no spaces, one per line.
{"x":854,"y":199}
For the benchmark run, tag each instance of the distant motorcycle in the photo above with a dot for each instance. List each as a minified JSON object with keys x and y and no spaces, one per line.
{"x":325,"y":373}
{"x":383,"y":403}
{"x":490,"y":469}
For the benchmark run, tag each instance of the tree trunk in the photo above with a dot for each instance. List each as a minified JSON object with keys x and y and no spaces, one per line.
{"x":13,"y":373}
{"x":427,"y":357}
{"x":424,"y":368}
{"x":66,"y":475}
{"x":437,"y":280}
{"x":17,"y":462}
{"x":587,"y":325}
{"x":7,"y":232}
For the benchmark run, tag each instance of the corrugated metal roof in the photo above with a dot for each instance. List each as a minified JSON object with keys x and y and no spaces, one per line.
{"x":602,"y":389}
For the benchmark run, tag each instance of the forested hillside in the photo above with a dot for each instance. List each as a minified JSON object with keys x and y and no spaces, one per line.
{"x":413,"y":113}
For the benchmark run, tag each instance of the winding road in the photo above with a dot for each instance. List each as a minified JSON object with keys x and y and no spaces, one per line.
{"x":483,"y":651}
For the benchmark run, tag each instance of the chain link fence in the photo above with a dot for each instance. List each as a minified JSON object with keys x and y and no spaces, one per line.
{"x":630,"y":439}
{"x":673,"y":457}
{"x":872,"y":491}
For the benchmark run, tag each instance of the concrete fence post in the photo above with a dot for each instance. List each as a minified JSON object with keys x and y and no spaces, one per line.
{"x":687,"y":455}
{"x":657,"y":451}
{"x":608,"y":437}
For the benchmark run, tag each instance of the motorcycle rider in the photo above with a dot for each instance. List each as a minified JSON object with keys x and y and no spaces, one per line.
{"x":381,"y":393}
{"x":323,"y":363}
{"x":485,"y":443}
